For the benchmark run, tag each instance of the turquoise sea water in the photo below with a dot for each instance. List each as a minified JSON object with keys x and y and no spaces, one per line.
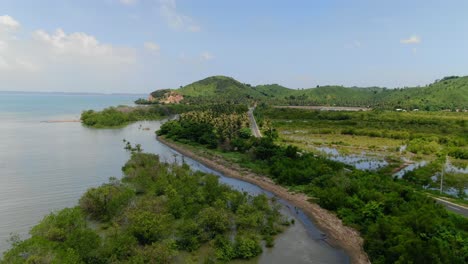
{"x":45,"y":167}
{"x":45,"y":106}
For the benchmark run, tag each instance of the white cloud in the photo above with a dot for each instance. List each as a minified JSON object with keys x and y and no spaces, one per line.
{"x":128,"y":2}
{"x":7,"y":22}
{"x":152,"y":47}
{"x":84,"y":45}
{"x":18,"y":64}
{"x":61,"y":61}
{"x":26,"y":64}
{"x":207,"y":56}
{"x":411,"y":40}
{"x":3,"y":63}
{"x":176,"y":20}
{"x":11,"y":59}
{"x":3,"y":45}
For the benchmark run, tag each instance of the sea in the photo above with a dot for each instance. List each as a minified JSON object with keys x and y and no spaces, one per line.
{"x":48,"y":160}
{"x":47,"y":165}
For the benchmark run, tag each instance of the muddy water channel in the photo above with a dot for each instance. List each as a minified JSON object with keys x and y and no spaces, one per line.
{"x":51,"y":171}
{"x":302,"y":242}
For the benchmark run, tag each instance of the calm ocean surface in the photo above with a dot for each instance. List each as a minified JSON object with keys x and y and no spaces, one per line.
{"x":45,"y":167}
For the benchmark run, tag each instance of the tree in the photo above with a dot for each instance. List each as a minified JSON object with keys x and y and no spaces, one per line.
{"x":247,"y":247}
{"x":104,"y":202}
{"x":149,"y":227}
{"x":213,"y":221}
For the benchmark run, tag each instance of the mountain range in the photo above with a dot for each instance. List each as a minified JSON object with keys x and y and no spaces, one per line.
{"x":447,"y":93}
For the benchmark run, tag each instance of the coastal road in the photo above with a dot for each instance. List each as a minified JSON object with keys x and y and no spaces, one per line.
{"x":458,"y":209}
{"x":253,"y":123}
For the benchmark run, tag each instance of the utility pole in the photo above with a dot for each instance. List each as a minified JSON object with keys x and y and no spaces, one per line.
{"x":442,"y":174}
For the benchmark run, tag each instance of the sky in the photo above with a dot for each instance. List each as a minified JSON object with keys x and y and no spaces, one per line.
{"x":137,"y":46}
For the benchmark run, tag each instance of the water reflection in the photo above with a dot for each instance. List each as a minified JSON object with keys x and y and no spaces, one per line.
{"x":48,"y":166}
{"x":409,"y":168}
{"x":362,"y":162}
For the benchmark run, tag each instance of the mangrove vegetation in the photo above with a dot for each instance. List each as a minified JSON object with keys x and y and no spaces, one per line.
{"x":398,"y":224}
{"x":157,"y":213}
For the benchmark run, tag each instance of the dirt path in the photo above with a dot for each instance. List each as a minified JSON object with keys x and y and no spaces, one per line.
{"x":338,"y":234}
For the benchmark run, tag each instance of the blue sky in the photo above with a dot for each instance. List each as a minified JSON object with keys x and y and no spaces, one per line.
{"x":142,"y":45}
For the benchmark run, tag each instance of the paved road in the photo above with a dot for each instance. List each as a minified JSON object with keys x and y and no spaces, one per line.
{"x":253,"y":123}
{"x":458,"y":209}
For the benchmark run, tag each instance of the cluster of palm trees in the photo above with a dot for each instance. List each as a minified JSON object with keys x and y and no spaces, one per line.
{"x":226,"y":126}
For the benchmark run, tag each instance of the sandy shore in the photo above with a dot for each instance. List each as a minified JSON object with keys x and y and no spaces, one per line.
{"x":338,"y":234}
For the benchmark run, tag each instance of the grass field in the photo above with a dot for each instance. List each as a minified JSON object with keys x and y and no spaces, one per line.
{"x":399,"y":138}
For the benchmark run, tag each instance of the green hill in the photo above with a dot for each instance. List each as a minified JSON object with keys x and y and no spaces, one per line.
{"x":338,"y":95}
{"x":219,"y":88}
{"x":274,"y":90}
{"x":447,"y":93}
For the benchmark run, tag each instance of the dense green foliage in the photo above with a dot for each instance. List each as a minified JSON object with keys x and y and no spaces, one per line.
{"x":458,"y":153}
{"x":105,"y":202}
{"x":430,"y":135}
{"x":159,"y":93}
{"x":424,"y":131}
{"x":120,"y":116}
{"x":218,"y":89}
{"x":449,"y":93}
{"x":398,"y":224}
{"x":212,"y":127}
{"x":154,"y":214}
{"x":424,"y":176}
{"x":123,"y":115}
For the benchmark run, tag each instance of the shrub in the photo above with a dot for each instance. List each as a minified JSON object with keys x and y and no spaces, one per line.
{"x":149,"y":227}
{"x":104,"y":202}
{"x":247,"y":246}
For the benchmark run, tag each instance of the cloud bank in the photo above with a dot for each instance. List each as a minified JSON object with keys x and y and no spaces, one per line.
{"x":57,"y":59}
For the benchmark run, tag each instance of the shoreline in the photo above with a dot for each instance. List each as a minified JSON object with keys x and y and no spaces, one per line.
{"x":338,"y":234}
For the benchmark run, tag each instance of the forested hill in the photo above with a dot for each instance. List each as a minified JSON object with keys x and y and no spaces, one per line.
{"x":218,"y":88}
{"x":447,"y":93}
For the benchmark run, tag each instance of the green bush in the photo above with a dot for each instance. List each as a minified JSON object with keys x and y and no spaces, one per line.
{"x":177,"y":209}
{"x":104,"y":202}
{"x":148,"y":227}
{"x":247,"y":247}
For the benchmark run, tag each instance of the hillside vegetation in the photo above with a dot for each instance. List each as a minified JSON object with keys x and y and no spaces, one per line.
{"x":219,"y":87}
{"x":447,"y":93}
